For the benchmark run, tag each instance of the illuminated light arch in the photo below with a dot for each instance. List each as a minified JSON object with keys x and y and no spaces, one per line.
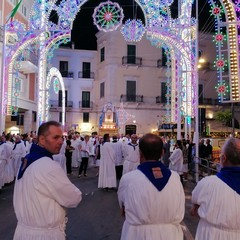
{"x":231,"y":24}
{"x":54,"y":72}
{"x":157,"y":14}
{"x":9,"y":69}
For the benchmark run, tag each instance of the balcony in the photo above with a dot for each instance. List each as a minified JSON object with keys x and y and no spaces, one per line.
{"x":57,"y":104}
{"x":86,"y":104}
{"x":66,"y":74}
{"x":161,"y":63}
{"x":131,"y":98}
{"x":89,"y":75}
{"x":1,"y":33}
{"x":132,"y":60}
{"x":161,"y":99}
{"x":208,"y":101}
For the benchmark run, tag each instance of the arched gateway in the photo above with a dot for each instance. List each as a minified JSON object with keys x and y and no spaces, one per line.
{"x":177,"y":36}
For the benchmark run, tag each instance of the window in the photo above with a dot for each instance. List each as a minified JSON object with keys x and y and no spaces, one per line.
{"x":200,"y":93}
{"x":86,"y":99}
{"x":20,"y":120}
{"x":60,"y":117}
{"x":163,"y":92}
{"x":164,"y":58}
{"x":102,"y":54}
{"x":60,"y":98}
{"x":86,"y":68}
{"x":131,"y":91}
{"x":86,"y":117}
{"x":63,"y":68}
{"x":102,"y":89}
{"x":131,"y":54}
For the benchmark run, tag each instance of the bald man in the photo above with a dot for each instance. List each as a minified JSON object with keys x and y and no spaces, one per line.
{"x":151,"y":197}
{"x":216,"y":199}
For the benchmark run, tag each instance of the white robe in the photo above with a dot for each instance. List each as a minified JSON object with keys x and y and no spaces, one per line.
{"x":150,"y":214}
{"x":75,"y":153}
{"x":9,"y":168}
{"x":176,"y":161}
{"x":18,"y":153}
{"x":3,"y":163}
{"x":40,"y":197}
{"x":107,"y":172}
{"x":219,"y":210}
{"x":61,"y":158}
{"x":131,"y":158}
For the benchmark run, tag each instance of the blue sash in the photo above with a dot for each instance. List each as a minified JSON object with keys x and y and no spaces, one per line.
{"x":231,"y":176}
{"x":36,"y":152}
{"x":156,"y":172}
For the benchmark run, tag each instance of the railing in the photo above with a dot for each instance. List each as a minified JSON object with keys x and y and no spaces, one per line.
{"x":56,"y":103}
{"x":131,"y":98}
{"x":86,"y":75}
{"x":85,"y":104}
{"x":131,"y":60}
{"x":160,"y":63}
{"x":30,"y":56}
{"x":67,"y":74}
{"x":161,"y":99}
{"x":209,"y":101}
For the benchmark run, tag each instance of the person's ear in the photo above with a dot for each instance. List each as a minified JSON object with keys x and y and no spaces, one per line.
{"x":41,"y":140}
{"x":223,"y":160}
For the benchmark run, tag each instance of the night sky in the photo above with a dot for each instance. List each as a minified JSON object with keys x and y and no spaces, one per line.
{"x":83,"y":32}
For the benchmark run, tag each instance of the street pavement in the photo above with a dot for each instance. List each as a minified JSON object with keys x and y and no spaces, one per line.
{"x":96,"y":218}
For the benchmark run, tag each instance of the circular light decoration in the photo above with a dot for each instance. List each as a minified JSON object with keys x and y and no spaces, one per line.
{"x":56,"y":85}
{"x":133,"y":30}
{"x":221,"y":89}
{"x":220,"y":63}
{"x":219,"y":37}
{"x":108,"y":16}
{"x":216,"y":11}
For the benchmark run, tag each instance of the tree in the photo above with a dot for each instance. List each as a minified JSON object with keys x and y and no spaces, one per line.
{"x":225,"y":117}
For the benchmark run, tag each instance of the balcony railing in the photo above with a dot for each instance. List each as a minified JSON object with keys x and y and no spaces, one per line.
{"x":161,"y":99}
{"x":86,"y":75}
{"x":161,"y":64}
{"x":67,"y":74}
{"x":131,"y":98}
{"x":1,"y":33}
{"x":56,"y":103}
{"x":132,"y":60}
{"x":85,"y":104}
{"x":208,"y":101}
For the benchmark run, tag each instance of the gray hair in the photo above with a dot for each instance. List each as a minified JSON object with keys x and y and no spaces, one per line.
{"x":231,"y":149}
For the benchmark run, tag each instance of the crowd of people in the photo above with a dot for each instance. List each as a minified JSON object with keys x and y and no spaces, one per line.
{"x":148,"y":174}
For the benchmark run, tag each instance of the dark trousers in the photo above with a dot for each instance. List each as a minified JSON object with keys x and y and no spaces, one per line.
{"x":119,"y":170}
{"x":69,"y":163}
{"x":83,"y":166}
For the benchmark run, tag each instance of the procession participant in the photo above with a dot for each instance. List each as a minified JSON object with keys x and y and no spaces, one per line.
{"x":107,"y":174}
{"x":85,"y":149}
{"x":75,"y":153}
{"x":3,"y":159}
{"x":176,"y":159}
{"x":42,"y":190}
{"x":19,"y":151}
{"x":117,"y":147}
{"x":216,"y":198}
{"x":151,"y":197}
{"x":9,"y":168}
{"x":131,"y":155}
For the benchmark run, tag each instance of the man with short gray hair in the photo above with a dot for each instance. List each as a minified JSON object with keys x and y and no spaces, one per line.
{"x":216,"y":199}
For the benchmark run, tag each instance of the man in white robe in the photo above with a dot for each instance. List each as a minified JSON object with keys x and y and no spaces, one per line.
{"x":42,"y":190}
{"x":9,"y":168}
{"x":151,"y":197}
{"x":75,"y":153}
{"x":3,"y":159}
{"x":19,"y":151}
{"x":131,"y":155}
{"x":107,"y":174}
{"x":216,"y":198}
